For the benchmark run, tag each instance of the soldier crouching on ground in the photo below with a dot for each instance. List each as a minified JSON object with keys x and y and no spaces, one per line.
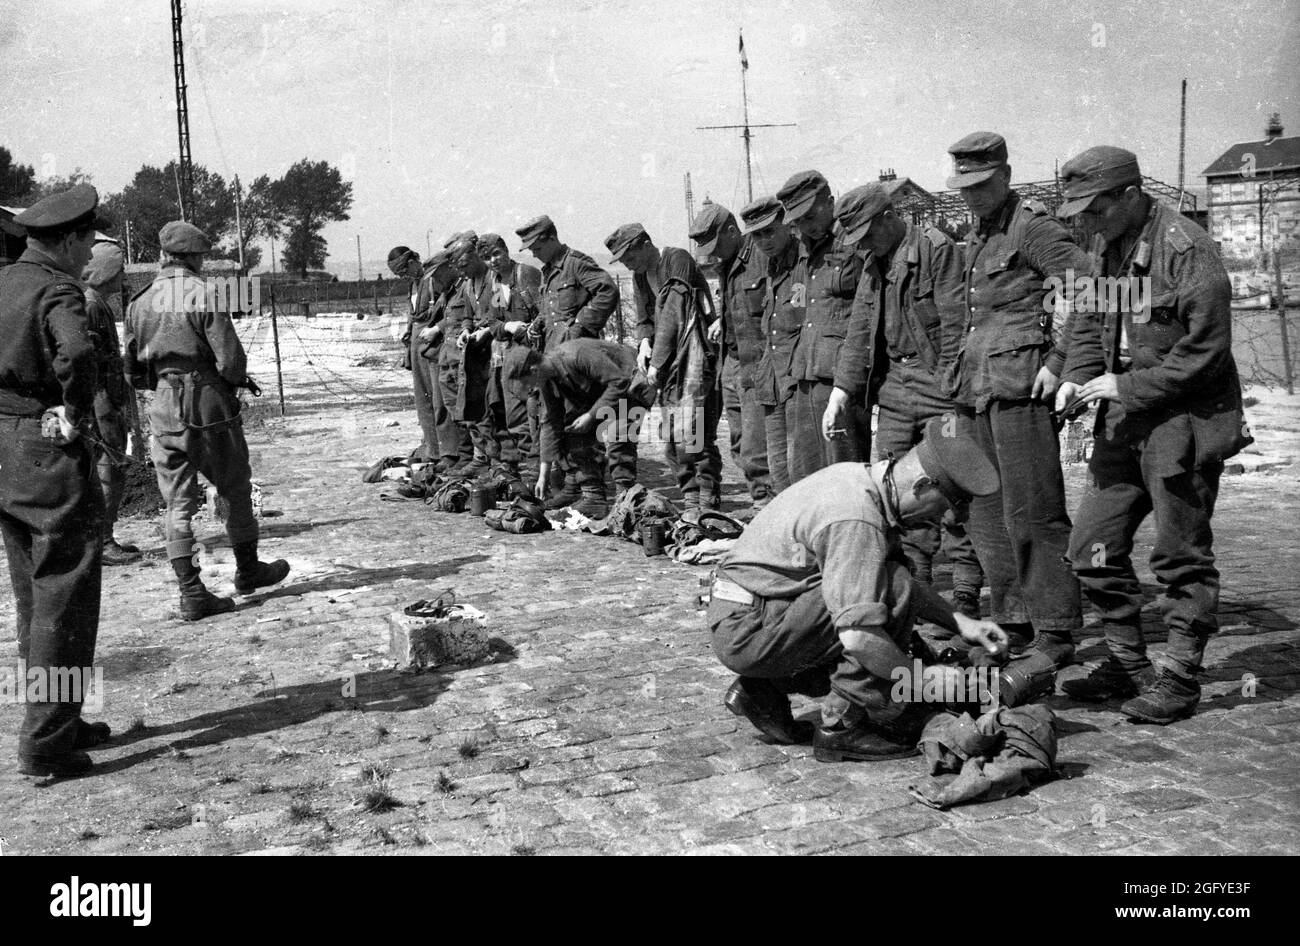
{"x":589,"y":388}
{"x":190,"y":356}
{"x":816,"y":597}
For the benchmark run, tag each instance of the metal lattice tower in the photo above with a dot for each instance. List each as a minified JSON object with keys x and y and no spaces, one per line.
{"x":185,"y":183}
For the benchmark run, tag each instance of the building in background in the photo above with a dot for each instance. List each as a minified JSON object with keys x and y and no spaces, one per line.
{"x":1253,"y":192}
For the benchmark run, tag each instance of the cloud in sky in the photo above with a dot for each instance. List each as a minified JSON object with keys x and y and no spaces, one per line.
{"x":480,"y":114}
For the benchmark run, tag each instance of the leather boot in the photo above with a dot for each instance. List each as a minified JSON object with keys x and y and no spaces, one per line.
{"x":1111,"y":680}
{"x":196,"y":601}
{"x":866,"y":741}
{"x":594,"y":503}
{"x":250,"y":574}
{"x":565,"y":497}
{"x":1058,"y":645}
{"x":967,"y":602}
{"x":760,"y":702}
{"x":1170,"y":698}
{"x":115,"y":554}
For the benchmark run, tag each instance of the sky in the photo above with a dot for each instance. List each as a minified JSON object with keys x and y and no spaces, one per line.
{"x":450,"y":115}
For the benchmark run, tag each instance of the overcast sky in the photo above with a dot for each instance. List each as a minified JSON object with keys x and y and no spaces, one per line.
{"x":455,"y":114}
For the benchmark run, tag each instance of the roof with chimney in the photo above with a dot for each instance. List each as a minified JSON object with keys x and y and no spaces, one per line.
{"x":1272,"y":154}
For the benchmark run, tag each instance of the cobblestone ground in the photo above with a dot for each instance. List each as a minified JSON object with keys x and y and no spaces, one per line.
{"x":605,"y":732}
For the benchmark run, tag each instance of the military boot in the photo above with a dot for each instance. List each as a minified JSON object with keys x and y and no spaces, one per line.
{"x":967,"y":602}
{"x":117,"y":554}
{"x":1058,"y":645}
{"x":594,"y":503}
{"x":1170,"y":698}
{"x":565,"y":497}
{"x":196,"y":601}
{"x":250,"y":574}
{"x":1110,"y":681}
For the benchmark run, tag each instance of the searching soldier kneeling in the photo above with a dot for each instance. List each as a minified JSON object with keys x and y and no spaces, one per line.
{"x":816,"y":598}
{"x":189,"y":354}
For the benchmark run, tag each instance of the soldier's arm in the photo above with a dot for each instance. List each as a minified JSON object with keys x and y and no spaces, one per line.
{"x":597,"y":364}
{"x":644,"y":327}
{"x":1204,"y":298}
{"x":550,"y":421}
{"x":948,"y":275}
{"x":232,"y":363}
{"x":67,"y":329}
{"x":604,"y":296}
{"x":853,"y":363}
{"x":1050,"y":250}
{"x":670,"y":320}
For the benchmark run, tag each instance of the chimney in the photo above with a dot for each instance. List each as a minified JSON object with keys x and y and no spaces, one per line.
{"x":1274,"y":127}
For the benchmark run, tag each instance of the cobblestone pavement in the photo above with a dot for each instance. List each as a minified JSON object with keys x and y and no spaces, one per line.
{"x":604,"y":732}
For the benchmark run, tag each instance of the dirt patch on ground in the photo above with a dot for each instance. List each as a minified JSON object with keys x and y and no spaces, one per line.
{"x":140,"y":496}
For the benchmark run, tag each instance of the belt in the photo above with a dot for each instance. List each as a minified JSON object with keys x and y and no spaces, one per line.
{"x":729,"y":591}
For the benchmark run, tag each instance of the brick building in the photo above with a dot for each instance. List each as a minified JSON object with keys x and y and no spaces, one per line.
{"x":1253,"y":188}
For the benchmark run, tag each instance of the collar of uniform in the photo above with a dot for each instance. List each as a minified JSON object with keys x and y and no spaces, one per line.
{"x":1001,"y":219}
{"x":558,"y":262}
{"x":41,"y":258}
{"x":907,"y":253}
{"x":780,"y":265}
{"x":809,"y":250}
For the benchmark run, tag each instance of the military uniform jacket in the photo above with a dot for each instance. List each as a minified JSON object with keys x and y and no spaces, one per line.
{"x":681,"y":289}
{"x":110,"y":377}
{"x":514,"y":299}
{"x":823,"y":284}
{"x":780,"y":326}
{"x":589,"y":374}
{"x":578,"y":293}
{"x":1010,"y":330}
{"x":170,"y":325}
{"x":913,"y":310}
{"x":743,"y":293}
{"x":1179,"y":393}
{"x":47,"y":358}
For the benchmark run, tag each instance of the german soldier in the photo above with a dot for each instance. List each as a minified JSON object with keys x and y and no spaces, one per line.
{"x":51,"y":507}
{"x":1158,"y":362}
{"x":404,"y":263}
{"x":188,"y":353}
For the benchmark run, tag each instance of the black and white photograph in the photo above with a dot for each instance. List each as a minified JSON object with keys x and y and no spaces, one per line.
{"x":753,"y":427}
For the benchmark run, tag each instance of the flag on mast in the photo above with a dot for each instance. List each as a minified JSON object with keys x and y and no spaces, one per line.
{"x":744,"y":60}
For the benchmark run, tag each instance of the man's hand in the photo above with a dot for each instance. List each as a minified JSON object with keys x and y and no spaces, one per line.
{"x":986,"y":633}
{"x":582,"y":423}
{"x":543,"y":479}
{"x":55,"y":426}
{"x":432,"y":333}
{"x":643,"y":356}
{"x":481,"y":336}
{"x":1103,"y":387}
{"x":462,"y":340}
{"x":1065,"y":395}
{"x":714,"y":334}
{"x":652,"y":375}
{"x":833,"y":419}
{"x":1044,"y":385}
{"x":515,"y":326}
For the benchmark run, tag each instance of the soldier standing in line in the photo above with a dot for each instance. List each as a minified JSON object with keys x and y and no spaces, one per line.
{"x":1004,"y":376}
{"x":439,"y":353}
{"x":1169,"y":414}
{"x":577,"y":299}
{"x":904,"y":329}
{"x":821,"y":289}
{"x":405,"y":263}
{"x":51,"y":507}
{"x":742,"y":287}
{"x":179,"y":345}
{"x":779,"y":327}
{"x":673,"y":293}
{"x":469,"y":316}
{"x":103,"y":279}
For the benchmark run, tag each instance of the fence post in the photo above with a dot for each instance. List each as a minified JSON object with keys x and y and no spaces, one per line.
{"x":1279,"y":293}
{"x":275,"y":336}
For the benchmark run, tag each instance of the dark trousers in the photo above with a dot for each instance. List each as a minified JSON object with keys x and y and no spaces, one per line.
{"x":691,"y":446}
{"x":809,"y":451}
{"x":110,"y":423}
{"x":778,"y":448}
{"x":1022,"y":532}
{"x":793,"y":643}
{"x":51,"y":514}
{"x":1124,"y":490}
{"x":196,"y":431}
{"x":908,"y":399}
{"x":424,"y":381}
{"x":746,"y":431}
{"x":612,"y":445}
{"x":453,"y":440}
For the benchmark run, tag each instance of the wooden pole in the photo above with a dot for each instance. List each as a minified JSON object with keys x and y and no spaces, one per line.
{"x":275,"y":331}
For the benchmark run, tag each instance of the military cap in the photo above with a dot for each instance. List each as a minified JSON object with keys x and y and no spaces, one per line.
{"x":708,"y":225}
{"x":798,"y":194}
{"x":105,"y":264}
{"x":976,"y":158}
{"x":441,"y":258}
{"x":180,"y":237}
{"x":951,"y":457}
{"x":856,"y":209}
{"x":399,"y":256}
{"x":1096,"y":171}
{"x":761,"y":213}
{"x":465,"y":245}
{"x":533,"y":229}
{"x":490,"y":241}
{"x":459,"y":236}
{"x":67,"y":210}
{"x":621,"y":239}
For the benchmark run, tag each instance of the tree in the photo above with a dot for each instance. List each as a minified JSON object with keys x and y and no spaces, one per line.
{"x":259,"y":220}
{"x":53,"y":185}
{"x":310,"y":194}
{"x":151,"y":200}
{"x":16,"y":180}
